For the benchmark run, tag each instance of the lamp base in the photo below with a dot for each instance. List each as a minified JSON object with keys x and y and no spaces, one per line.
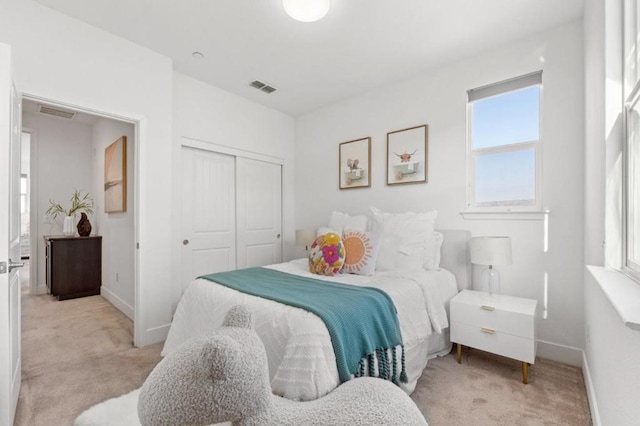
{"x":490,"y":279}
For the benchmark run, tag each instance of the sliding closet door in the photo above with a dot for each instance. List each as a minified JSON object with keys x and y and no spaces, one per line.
{"x":259,"y":212}
{"x":208,"y":213}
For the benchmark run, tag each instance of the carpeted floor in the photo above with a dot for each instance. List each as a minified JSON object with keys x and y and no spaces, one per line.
{"x":76,"y":353}
{"x":79,"y":352}
{"x":487,"y":389}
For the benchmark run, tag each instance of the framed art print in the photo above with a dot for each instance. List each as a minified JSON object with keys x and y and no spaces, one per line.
{"x":407,"y":155}
{"x":355,"y":164}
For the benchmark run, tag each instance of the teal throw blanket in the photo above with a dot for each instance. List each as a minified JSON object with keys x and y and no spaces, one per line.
{"x":362,"y":321}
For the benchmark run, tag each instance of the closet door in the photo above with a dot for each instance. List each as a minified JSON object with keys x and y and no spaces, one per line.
{"x":259,"y":212}
{"x":208,"y":213}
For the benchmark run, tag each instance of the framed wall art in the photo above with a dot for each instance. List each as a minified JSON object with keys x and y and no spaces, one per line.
{"x":115,"y":176}
{"x":407,"y":155}
{"x":355,"y":164}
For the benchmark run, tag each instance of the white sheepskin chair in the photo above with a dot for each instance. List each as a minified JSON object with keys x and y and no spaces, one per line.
{"x":224,"y":378}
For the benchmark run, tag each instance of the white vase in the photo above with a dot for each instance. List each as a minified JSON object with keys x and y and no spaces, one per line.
{"x":68,"y":227}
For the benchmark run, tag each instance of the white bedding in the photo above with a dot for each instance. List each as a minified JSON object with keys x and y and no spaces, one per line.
{"x":302,"y":364}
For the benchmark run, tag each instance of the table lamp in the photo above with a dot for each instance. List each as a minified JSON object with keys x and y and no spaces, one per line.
{"x":490,"y":251}
{"x":305,"y":237}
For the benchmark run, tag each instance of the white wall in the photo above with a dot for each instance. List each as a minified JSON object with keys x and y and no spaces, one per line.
{"x":220,"y":119}
{"x":611,"y":349}
{"x":64,"y":163}
{"x":438,"y":98}
{"x":60,"y":58}
{"x":117,"y":229}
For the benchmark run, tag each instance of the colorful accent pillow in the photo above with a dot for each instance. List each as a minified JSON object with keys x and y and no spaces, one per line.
{"x":362,"y":251}
{"x":326,"y":255}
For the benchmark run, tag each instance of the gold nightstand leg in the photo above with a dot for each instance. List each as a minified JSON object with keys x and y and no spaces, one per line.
{"x":459,"y":354}
{"x":525,"y":372}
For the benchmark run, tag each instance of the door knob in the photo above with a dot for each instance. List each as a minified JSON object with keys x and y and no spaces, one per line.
{"x":185,"y":242}
{"x":14,"y":265}
{"x":278,"y":236}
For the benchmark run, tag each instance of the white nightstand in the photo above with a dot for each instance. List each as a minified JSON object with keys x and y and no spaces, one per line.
{"x":499,"y":324}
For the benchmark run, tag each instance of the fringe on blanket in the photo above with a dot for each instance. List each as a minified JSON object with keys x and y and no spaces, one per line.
{"x":377,"y":364}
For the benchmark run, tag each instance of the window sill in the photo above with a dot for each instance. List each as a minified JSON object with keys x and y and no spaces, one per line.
{"x":622,"y":292}
{"x":504,"y":215}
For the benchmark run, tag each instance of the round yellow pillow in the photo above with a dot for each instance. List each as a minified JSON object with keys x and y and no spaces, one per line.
{"x":326,"y":255}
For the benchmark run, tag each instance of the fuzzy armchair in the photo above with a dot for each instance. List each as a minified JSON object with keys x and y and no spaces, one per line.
{"x":224,"y":377}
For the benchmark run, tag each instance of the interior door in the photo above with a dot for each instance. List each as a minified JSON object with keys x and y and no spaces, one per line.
{"x":10,"y":366}
{"x":208,"y":213}
{"x":259,"y":212}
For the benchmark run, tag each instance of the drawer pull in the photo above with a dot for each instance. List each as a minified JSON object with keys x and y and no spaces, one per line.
{"x":487,"y":308}
{"x":487,"y":330}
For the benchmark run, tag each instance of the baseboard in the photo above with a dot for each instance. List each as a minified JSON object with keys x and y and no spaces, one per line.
{"x":591,"y":392}
{"x":153,"y":335}
{"x":122,"y":306}
{"x":560,"y":353}
{"x":41,"y":289}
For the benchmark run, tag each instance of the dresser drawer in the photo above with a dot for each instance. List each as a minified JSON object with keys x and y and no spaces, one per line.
{"x":499,"y":343}
{"x":495,"y":318}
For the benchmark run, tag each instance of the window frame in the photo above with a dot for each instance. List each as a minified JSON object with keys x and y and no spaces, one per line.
{"x":498,"y":89}
{"x":629,"y":267}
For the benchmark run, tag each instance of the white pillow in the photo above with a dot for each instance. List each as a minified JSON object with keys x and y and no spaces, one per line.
{"x":432,"y":251}
{"x":338,"y":221}
{"x":404,"y":238}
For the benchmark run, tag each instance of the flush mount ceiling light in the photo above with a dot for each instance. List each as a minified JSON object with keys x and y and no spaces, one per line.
{"x":306,"y":10}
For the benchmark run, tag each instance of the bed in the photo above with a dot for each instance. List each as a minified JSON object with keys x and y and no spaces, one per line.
{"x":302,"y":363}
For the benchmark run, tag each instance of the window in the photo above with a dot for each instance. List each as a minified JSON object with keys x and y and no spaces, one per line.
{"x":24,"y":205}
{"x":504,"y":145}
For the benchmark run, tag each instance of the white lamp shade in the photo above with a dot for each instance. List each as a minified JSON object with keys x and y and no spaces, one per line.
{"x":306,"y":10}
{"x":494,"y":251}
{"x":305,"y":237}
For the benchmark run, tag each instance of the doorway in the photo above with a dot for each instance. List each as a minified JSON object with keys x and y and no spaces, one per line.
{"x":67,"y":153}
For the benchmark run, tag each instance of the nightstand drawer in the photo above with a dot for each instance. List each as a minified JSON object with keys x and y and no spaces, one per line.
{"x":493,"y":317}
{"x":490,"y":340}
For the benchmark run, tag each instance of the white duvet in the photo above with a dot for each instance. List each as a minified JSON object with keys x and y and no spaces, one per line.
{"x":302,"y":363}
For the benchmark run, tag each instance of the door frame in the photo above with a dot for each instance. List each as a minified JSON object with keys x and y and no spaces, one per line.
{"x":138,"y":330}
{"x":222,"y":149}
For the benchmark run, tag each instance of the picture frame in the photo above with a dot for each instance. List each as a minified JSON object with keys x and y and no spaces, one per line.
{"x":115,"y":176}
{"x":407,"y":155}
{"x":354,"y":165}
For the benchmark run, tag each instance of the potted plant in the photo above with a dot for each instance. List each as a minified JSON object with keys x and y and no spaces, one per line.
{"x":79,"y":203}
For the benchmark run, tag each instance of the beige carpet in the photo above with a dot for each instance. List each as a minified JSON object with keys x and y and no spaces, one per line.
{"x":79,"y":352}
{"x":76,"y":353}
{"x":487,"y":389}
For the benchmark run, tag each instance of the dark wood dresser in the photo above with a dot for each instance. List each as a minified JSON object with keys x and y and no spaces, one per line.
{"x":73,"y":266}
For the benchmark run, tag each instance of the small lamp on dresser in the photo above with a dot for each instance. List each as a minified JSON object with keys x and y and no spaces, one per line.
{"x":305,"y":237}
{"x":490,"y":251}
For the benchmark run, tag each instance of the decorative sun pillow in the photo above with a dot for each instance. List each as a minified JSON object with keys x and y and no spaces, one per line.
{"x":362,"y":251}
{"x":326,"y":255}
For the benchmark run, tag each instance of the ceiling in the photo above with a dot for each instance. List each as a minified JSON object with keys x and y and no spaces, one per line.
{"x":358,"y":46}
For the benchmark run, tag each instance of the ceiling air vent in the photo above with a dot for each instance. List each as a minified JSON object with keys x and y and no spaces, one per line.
{"x":262,"y":86}
{"x":44,"y":109}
